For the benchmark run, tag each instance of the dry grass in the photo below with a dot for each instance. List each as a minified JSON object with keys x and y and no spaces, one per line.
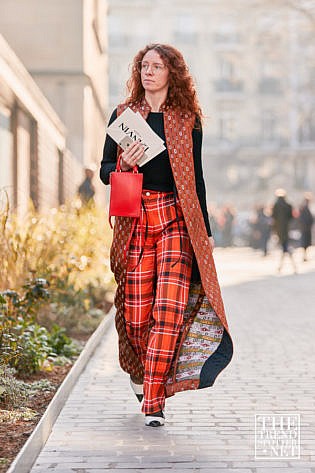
{"x":67,"y":242}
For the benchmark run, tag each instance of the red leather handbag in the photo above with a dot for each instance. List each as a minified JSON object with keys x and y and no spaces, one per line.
{"x":125,"y":193}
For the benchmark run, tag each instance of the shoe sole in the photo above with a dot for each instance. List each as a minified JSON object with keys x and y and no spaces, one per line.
{"x":153,"y":421}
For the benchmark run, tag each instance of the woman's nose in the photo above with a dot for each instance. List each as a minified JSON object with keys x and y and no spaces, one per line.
{"x":149,"y":69}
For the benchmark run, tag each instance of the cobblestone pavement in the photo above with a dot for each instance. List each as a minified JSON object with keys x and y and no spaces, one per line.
{"x":272,"y":320}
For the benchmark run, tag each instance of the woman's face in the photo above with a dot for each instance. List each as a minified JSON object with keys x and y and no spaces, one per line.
{"x":154,"y":74}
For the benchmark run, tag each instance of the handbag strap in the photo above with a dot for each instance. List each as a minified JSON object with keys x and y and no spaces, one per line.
{"x":118,"y":166}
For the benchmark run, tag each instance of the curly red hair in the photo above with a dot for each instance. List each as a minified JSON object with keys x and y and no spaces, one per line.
{"x":181,"y":92}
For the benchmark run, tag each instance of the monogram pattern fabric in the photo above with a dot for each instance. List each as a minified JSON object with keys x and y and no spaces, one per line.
{"x":178,"y":132}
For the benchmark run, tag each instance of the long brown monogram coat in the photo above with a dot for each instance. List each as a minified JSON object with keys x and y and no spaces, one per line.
{"x":204,"y":347}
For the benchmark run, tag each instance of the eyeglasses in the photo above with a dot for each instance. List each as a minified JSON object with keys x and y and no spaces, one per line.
{"x":155,"y":67}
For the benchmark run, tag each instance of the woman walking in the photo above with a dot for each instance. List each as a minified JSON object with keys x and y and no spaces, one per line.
{"x":173,"y":333}
{"x":306,"y":221}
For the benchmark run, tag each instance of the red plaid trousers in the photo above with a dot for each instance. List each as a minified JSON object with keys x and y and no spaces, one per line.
{"x":156,"y":290}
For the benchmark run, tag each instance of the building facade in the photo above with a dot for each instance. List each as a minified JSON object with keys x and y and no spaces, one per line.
{"x":63,"y":45}
{"x":254,"y":69}
{"x":35,"y":163}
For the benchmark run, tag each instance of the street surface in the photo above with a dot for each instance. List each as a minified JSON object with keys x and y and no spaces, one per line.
{"x":272,"y":321}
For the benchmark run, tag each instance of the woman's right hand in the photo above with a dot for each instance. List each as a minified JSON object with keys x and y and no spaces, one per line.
{"x":131,"y":155}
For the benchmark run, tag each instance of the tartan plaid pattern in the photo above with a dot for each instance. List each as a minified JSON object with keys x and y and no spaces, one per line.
{"x":156,"y":291}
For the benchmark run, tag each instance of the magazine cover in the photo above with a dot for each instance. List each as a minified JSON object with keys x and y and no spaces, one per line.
{"x":130,"y":127}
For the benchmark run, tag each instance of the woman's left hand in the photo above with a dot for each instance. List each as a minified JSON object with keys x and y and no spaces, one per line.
{"x":211,"y":240}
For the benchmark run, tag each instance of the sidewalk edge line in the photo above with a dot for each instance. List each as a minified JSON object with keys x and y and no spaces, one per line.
{"x":28,"y":454}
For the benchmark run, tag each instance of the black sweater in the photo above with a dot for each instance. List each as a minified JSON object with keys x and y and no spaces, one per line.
{"x":157,"y":173}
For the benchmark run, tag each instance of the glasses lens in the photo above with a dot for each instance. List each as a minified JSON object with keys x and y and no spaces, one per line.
{"x":154,"y":68}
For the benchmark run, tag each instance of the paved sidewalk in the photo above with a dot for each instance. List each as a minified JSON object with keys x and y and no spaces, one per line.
{"x":272,"y":320}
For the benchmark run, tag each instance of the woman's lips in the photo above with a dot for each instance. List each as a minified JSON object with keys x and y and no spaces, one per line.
{"x":148,"y":80}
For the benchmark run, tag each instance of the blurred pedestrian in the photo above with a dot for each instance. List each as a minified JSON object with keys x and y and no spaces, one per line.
{"x":263,"y":229}
{"x":86,"y":190}
{"x":306,"y":221}
{"x":282,"y":214}
{"x":213,"y":216}
{"x":227,"y":231}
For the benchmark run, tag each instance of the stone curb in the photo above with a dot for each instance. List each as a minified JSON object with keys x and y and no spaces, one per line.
{"x":31,"y":449}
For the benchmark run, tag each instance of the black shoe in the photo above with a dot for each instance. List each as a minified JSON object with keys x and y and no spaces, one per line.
{"x":137,"y":389}
{"x":155,"y":420}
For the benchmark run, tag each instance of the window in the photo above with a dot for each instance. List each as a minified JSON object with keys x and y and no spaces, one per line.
{"x":268,"y":123}
{"x":61,"y":190}
{"x":6,"y":153}
{"x":227,"y":32}
{"x":269,"y":77}
{"x":227,"y":69}
{"x":301,"y":174}
{"x":34,"y":191}
{"x":228,"y":73}
{"x":227,"y":126}
{"x":117,"y":36}
{"x":23,"y":159}
{"x":307,"y":126}
{"x":185,"y":29}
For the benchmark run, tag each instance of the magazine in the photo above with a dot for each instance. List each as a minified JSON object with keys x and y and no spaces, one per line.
{"x":130,"y":127}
